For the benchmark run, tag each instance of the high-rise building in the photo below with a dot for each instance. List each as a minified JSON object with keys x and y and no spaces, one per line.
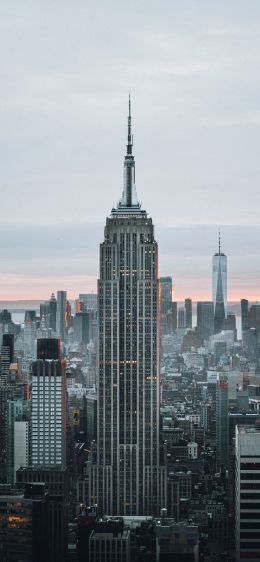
{"x":52,"y":313}
{"x":61,"y":314}
{"x":254,"y":316}
{"x":181,"y":318}
{"x":7,"y":356}
{"x":244,"y":315}
{"x":188,"y":313}
{"x":219,"y":289}
{"x":48,"y":403}
{"x":205,"y":319}
{"x":126,"y":480}
{"x":247,"y":493}
{"x":89,"y":301}
{"x":166,"y":305}
{"x":17,"y":437}
{"x":82,"y":327}
{"x":174,"y":316}
{"x":222,"y":421}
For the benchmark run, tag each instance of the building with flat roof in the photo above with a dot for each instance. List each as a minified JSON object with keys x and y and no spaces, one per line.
{"x":247,"y":493}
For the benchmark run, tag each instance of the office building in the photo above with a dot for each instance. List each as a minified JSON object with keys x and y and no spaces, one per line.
{"x":24,"y":526}
{"x":188,"y":313}
{"x":127,"y":479}
{"x":61,"y":315}
{"x":109,"y":541}
{"x":17,"y":437}
{"x":219,"y":289}
{"x":174,"y":316}
{"x":181,"y":318}
{"x":179,"y":492}
{"x":244,"y":315}
{"x":247,"y":493}
{"x":48,"y":403}
{"x":205,"y":319}
{"x":82,"y":327}
{"x":222,"y":421}
{"x":7,"y":356}
{"x":254,"y":316}
{"x":166,"y":323}
{"x":89,"y":301}
{"x":235,"y":419}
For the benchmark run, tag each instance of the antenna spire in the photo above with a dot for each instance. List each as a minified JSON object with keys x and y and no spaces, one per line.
{"x":219,"y":242}
{"x":129,"y":136}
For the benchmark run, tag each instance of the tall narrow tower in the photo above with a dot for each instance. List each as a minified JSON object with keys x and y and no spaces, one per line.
{"x":126,"y":480}
{"x":219,"y":288}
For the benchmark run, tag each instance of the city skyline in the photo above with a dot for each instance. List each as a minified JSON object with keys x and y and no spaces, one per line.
{"x":62,"y":107}
{"x":28,"y":256}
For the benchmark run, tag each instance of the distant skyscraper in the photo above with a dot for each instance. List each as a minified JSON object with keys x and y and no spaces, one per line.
{"x":166,"y":305}
{"x":254,"y":316}
{"x":174,"y":316}
{"x":188,"y":313}
{"x":219,"y":289}
{"x":48,"y":422}
{"x":52,"y":313}
{"x":127,"y":478}
{"x":61,"y":314}
{"x":244,"y":315}
{"x":205,"y":319}
{"x":181,"y":317}
{"x":89,"y":301}
{"x":82,"y":327}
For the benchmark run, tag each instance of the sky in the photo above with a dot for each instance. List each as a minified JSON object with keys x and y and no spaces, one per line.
{"x":66,"y":68}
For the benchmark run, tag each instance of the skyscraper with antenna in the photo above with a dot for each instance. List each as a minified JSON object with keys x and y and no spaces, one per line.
{"x":127,"y":478}
{"x":219,"y":288}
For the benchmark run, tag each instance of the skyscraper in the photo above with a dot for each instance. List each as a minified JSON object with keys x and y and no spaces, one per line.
{"x":244,"y":315}
{"x":188,"y":313}
{"x":219,"y":289}
{"x":61,"y":314}
{"x":222,"y":421}
{"x":166,"y":305}
{"x":126,"y":480}
{"x":247,"y":492}
{"x":48,"y":422}
{"x":205,"y":319}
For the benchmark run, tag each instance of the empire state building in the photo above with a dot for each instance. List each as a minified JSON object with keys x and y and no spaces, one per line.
{"x":127,"y":478}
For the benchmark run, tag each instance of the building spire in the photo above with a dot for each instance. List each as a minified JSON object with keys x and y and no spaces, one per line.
{"x":219,"y":242}
{"x":129,"y":136}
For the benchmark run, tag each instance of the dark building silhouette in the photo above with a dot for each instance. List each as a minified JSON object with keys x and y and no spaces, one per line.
{"x":48,"y":348}
{"x":244,"y":315}
{"x":188,"y":313}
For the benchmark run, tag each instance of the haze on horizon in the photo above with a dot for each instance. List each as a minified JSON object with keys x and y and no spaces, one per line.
{"x":66,"y":69}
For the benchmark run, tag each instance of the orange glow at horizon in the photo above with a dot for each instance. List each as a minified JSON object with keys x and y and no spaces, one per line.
{"x":21,"y":287}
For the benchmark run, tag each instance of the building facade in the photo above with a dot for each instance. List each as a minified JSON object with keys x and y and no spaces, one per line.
{"x":127,"y":479}
{"x":48,"y":418}
{"x":247,"y":492}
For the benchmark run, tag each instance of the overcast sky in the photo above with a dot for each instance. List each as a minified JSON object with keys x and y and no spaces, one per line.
{"x":65,"y":71}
